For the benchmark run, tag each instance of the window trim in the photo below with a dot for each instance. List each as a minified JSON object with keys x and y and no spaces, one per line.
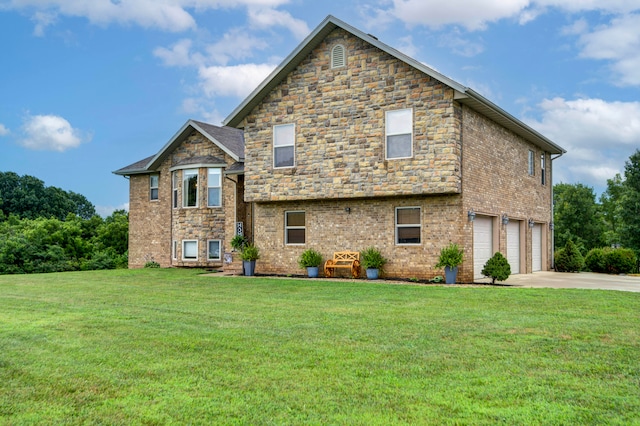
{"x":214,"y":259}
{"x":292,"y":144}
{"x":418,"y":225}
{"x":287,"y":227}
{"x":190,"y":259}
{"x":531,"y":168}
{"x":219,"y":205}
{"x":343,"y":56}
{"x":185,"y":173}
{"x":151,"y":187}
{"x":387,"y":134}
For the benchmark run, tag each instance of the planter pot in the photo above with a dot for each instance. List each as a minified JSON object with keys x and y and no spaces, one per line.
{"x":372,"y":274}
{"x":450,"y":274}
{"x":249,"y":267}
{"x":312,"y":271}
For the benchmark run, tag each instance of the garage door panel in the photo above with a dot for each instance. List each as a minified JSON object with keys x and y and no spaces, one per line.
{"x":482,"y":244}
{"x":536,"y":248}
{"x":513,"y":246}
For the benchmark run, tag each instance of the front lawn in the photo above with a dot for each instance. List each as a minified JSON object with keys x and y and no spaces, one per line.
{"x":162,"y":346}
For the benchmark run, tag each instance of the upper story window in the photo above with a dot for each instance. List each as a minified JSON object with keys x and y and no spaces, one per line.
{"x":284,"y":145}
{"x":531,"y":163}
{"x":399,"y":133}
{"x":190,"y":188}
{"x":153,"y":186}
{"x":338,"y":56}
{"x":408,"y":225}
{"x":294,"y":228}
{"x":214,"y":188}
{"x":175,"y":183}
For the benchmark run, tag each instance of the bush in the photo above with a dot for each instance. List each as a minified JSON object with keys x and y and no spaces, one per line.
{"x":569,"y":258}
{"x":595,"y":260}
{"x":152,"y":264}
{"x":497,"y":268}
{"x":620,"y":261}
{"x":250,"y":253}
{"x":372,"y":258}
{"x":310,"y":258}
{"x":451,"y":256}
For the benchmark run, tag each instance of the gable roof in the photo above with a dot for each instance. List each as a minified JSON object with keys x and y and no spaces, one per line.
{"x":229,"y":139}
{"x":463,"y":94}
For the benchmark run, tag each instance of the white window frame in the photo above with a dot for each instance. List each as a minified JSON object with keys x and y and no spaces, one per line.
{"x":390,"y":131}
{"x":219,"y":186}
{"x":189,"y":259}
{"x":531,"y":165}
{"x":277,"y":145}
{"x":152,"y":187}
{"x":185,"y":174}
{"x":175,"y":183}
{"x":408,"y":225}
{"x":338,"y":52}
{"x":543,"y":179}
{"x":174,"y":250}
{"x":287,"y":227}
{"x":209,"y":258}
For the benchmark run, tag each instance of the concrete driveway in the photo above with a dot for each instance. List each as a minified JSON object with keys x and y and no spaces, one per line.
{"x":584,"y":280}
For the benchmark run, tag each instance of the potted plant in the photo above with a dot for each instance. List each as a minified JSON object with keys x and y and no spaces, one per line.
{"x":450,"y":258}
{"x":239,"y":242}
{"x":249,"y":255}
{"x":373,"y":262}
{"x":311,"y":260}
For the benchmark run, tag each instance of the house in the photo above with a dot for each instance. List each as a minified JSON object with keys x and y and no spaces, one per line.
{"x":350,"y":144}
{"x":186,"y":201}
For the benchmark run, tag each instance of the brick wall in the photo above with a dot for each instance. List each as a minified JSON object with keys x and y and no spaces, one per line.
{"x":339,"y":116}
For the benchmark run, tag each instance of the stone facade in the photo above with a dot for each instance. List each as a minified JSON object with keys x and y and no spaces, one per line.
{"x":157,"y":230}
{"x":339,"y":117}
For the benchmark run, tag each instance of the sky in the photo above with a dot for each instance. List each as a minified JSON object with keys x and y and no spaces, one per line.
{"x":88,"y":87}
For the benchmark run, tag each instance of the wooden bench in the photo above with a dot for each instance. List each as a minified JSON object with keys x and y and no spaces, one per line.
{"x":343,"y":260}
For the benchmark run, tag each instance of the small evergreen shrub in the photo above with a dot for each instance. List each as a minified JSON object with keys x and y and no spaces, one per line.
{"x":497,"y":268}
{"x":569,"y":258}
{"x":620,"y":261}
{"x":595,"y":260}
{"x":152,"y":264}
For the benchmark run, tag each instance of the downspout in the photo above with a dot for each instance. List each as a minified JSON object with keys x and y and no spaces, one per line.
{"x":553,"y":242}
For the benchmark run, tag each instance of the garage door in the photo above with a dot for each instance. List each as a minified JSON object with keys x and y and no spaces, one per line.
{"x":482,"y":243}
{"x":536,"y":247}
{"x":513,"y":246}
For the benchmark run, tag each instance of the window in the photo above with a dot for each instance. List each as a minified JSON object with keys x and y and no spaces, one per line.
{"x":294,"y":228}
{"x":542,"y":169}
{"x":213,"y":252}
{"x":174,"y":250}
{"x":283,"y":145}
{"x":214,"y":191}
{"x":175,"y":183}
{"x":153,"y":187}
{"x":190,"y":188}
{"x":338,"y":58}
{"x":408,"y":228}
{"x":531,"y":166}
{"x":189,"y":250}
{"x":399,"y":133}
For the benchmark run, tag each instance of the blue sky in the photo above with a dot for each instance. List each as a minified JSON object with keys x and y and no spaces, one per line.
{"x":87,"y":87}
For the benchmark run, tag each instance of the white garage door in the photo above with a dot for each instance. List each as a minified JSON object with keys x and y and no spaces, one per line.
{"x":482,"y":243}
{"x":536,"y":248}
{"x":513,"y":246}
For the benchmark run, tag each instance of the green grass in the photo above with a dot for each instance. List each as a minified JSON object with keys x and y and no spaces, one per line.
{"x":174,"y":347}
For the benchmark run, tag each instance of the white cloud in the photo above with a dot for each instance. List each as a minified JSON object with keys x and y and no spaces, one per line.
{"x":265,"y":17}
{"x":178,"y":55}
{"x":618,"y":42}
{"x":235,"y":44}
{"x":598,"y":135}
{"x":237,"y":80}
{"x":50,"y":133}
{"x":3,"y":130}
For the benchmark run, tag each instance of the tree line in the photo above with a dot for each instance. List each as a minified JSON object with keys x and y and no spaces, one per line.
{"x":47,"y":229}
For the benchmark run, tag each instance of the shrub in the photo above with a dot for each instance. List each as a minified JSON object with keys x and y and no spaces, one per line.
{"x":152,"y":264}
{"x":372,"y":258}
{"x":569,"y":258}
{"x":620,"y":261}
{"x":250,"y":253}
{"x":497,"y":268}
{"x":595,"y":260}
{"x":310,"y":258}
{"x":451,"y":256}
{"x":239,"y":242}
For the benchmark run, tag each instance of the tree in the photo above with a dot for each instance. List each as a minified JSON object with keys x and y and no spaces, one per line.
{"x":497,"y":268}
{"x":577,"y":217}
{"x":611,"y":208}
{"x":630,"y":204}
